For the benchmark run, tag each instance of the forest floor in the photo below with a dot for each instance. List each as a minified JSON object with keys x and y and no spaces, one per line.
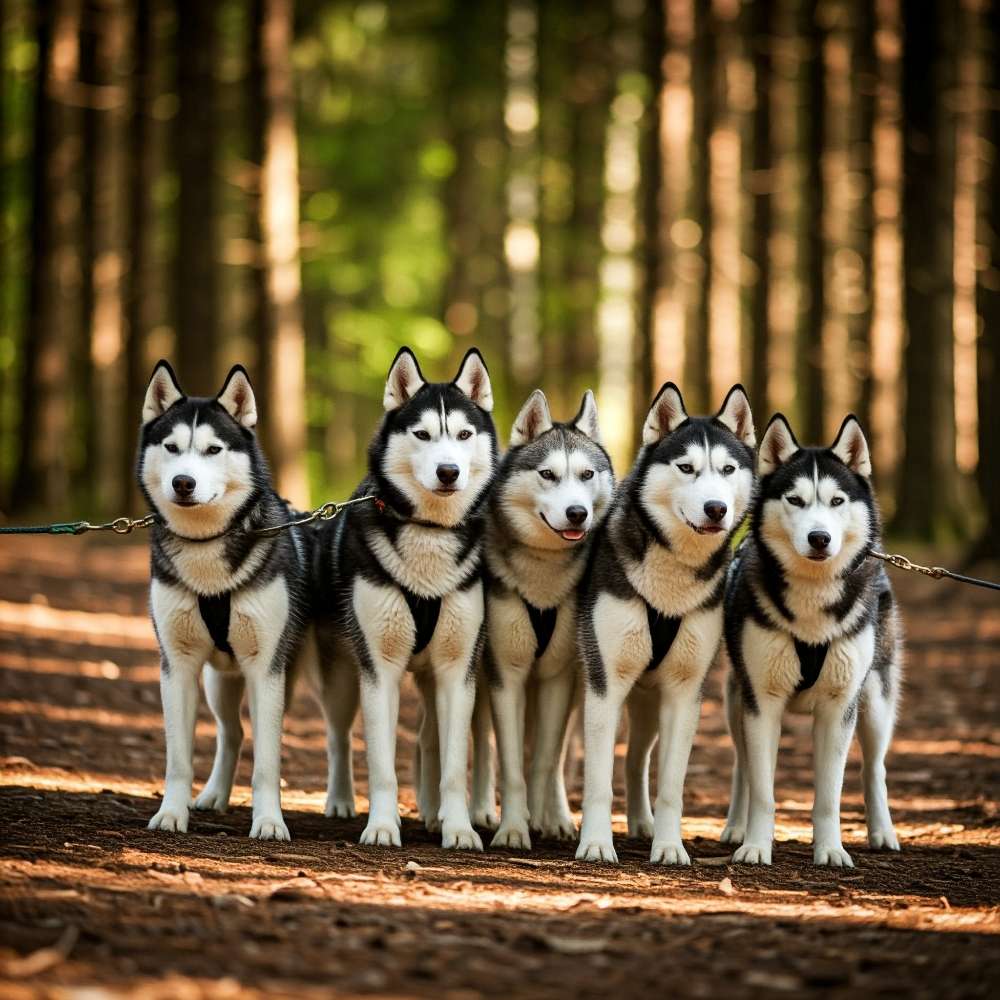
{"x":89,"y":898}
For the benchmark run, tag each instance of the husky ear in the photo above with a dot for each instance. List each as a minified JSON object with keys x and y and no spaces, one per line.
{"x":162,"y":392}
{"x":403,"y":380}
{"x":474,"y":380}
{"x":665,"y":415}
{"x":237,"y":399}
{"x":776,"y":446}
{"x":532,"y":421}
{"x":852,"y":448}
{"x":586,"y":418}
{"x":736,"y":415}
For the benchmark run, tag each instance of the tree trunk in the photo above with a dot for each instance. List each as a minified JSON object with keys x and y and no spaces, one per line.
{"x":53,"y":297}
{"x":141,"y":176}
{"x":285,"y":392}
{"x":810,"y":347}
{"x":196,"y":153}
{"x":928,"y":474}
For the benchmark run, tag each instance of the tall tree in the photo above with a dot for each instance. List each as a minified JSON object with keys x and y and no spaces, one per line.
{"x":928,"y":472}
{"x":285,"y":391}
{"x":52,"y":305}
{"x":196,"y":158}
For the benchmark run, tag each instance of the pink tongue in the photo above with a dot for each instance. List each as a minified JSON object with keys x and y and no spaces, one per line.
{"x":572,"y":534}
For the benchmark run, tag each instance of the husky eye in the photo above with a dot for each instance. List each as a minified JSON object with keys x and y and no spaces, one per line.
{"x":422,"y":435}
{"x":686,"y":468}
{"x":213,"y":449}
{"x":728,"y":470}
{"x":587,"y":474}
{"x":796,"y":501}
{"x":836,"y":501}
{"x":172,"y":449}
{"x":547,"y":474}
{"x":464,"y":435}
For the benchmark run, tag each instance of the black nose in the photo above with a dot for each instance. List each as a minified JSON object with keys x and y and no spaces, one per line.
{"x":715,"y":510}
{"x":183,"y":485}
{"x":576,"y":514}
{"x":448,"y":474}
{"x":819,"y":540}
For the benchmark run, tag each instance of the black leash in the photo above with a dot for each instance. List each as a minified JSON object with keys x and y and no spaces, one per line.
{"x":935,"y":572}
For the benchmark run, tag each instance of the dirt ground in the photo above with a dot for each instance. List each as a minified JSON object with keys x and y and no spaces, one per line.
{"x":92,"y":904}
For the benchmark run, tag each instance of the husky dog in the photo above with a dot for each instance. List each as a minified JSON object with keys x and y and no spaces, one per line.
{"x":650,"y":616}
{"x":220,"y":594}
{"x":399,"y":587}
{"x":552,"y":491}
{"x":811,"y":625}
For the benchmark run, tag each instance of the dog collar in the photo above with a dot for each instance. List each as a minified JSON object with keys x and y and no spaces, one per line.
{"x":383,"y":508}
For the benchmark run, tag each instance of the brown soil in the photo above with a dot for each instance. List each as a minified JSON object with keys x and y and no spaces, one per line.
{"x":89,"y":897}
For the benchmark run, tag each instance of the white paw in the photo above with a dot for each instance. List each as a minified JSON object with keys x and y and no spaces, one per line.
{"x":170,"y":821}
{"x":513,"y":835}
{"x":669,"y":854}
{"x":212,"y":798}
{"x":339,"y":808}
{"x":269,"y":828}
{"x":733,"y":834}
{"x":561,"y":828}
{"x":485,"y":816}
{"x":432,"y":824}
{"x":461,"y":839}
{"x":834,"y":856}
{"x":641,"y":827}
{"x":377,"y":834}
{"x":883,"y":840}
{"x":597,"y":850}
{"x":752,"y":854}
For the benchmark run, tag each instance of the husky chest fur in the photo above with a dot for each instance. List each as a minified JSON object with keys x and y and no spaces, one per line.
{"x":400,"y":588}
{"x":220,"y":595}
{"x":552,"y":491}
{"x":811,"y":626}
{"x":650,"y":617}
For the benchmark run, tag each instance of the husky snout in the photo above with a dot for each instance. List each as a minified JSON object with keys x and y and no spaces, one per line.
{"x":184,"y":487}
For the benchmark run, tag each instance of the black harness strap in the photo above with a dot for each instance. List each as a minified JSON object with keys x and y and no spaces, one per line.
{"x":811,"y":659}
{"x":662,"y":632}
{"x":544,"y":624}
{"x":215,"y":614}
{"x":425,"y":611}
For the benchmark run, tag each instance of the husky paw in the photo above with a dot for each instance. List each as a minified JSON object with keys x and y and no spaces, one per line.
{"x":337,"y":808}
{"x":733,"y":834}
{"x":461,"y":839}
{"x":485,"y":817}
{"x":668,"y":854}
{"x":641,"y":827}
{"x":170,"y":821}
{"x":834,"y":856}
{"x":381,"y":835}
{"x":269,"y":828}
{"x":752,"y":854}
{"x":597,"y":850}
{"x":883,"y":840}
{"x":514,"y":836}
{"x":432,"y":824}
{"x":212,"y":799}
{"x":561,"y":828}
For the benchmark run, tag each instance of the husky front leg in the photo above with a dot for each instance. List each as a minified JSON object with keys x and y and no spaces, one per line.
{"x":428,"y":755}
{"x":508,"y":698}
{"x":339,"y":700}
{"x":224,"y":692}
{"x":266,"y":690}
{"x":761,"y":734}
{"x":643,"y":708}
{"x":833,"y":727}
{"x":179,"y":694}
{"x":484,"y":792}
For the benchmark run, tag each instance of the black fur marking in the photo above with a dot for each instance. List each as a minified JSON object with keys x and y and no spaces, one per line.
{"x":543,"y":621}
{"x":811,"y":660}
{"x":215,"y":614}
{"x":662,"y":631}
{"x":425,"y":611}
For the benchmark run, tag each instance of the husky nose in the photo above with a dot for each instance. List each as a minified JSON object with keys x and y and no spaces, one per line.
{"x":576,"y":514}
{"x":819,"y":540}
{"x":183,"y":485}
{"x":448,"y":474}
{"x":715,"y":510}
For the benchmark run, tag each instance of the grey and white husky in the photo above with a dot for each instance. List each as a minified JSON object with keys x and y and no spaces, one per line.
{"x":811,"y":626}
{"x":221,"y":597}
{"x":552,"y":491}
{"x":650,"y":615}
{"x":399,"y":586}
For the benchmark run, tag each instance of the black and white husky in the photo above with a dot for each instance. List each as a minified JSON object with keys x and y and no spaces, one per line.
{"x":552,"y":491}
{"x":811,"y":626}
{"x":650,"y":615}
{"x":221,"y":596}
{"x":399,"y":586}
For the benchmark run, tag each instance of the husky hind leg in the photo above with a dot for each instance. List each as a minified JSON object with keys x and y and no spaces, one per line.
{"x":642,"y":720}
{"x":339,"y":696}
{"x":224,"y":693}
{"x":427,"y":759}
{"x":739,"y":795}
{"x":484,"y":793}
{"x":549,"y":807}
{"x":876,"y":718}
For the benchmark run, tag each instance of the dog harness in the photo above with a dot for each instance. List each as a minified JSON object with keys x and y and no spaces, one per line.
{"x":215,"y":614}
{"x":663,"y":630}
{"x":425,"y":611}
{"x":543,"y":621}
{"x":811,"y":659}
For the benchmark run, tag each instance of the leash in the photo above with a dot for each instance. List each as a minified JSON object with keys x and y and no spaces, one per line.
{"x":126,"y":525}
{"x":935,"y":572}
